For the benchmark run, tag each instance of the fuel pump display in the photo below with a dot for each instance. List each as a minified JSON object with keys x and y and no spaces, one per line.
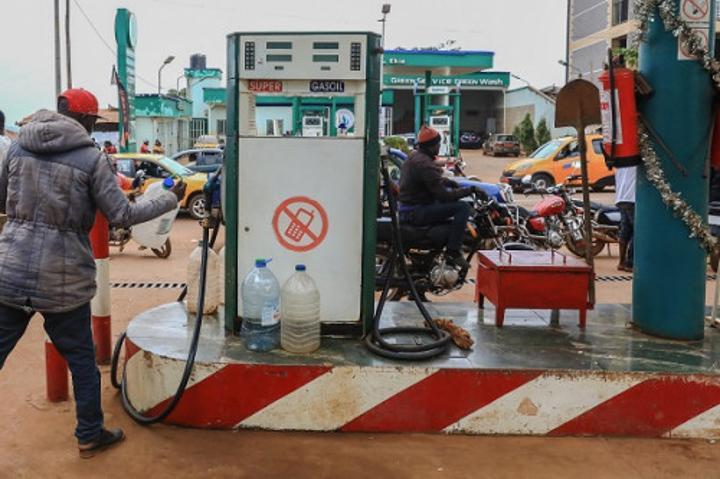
{"x":280,"y":202}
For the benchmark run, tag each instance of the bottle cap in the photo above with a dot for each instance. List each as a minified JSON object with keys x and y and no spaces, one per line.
{"x":260,"y":263}
{"x":300,"y":267}
{"x":168,"y":183}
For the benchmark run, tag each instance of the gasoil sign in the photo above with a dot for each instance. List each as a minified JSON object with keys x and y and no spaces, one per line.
{"x":327,"y":86}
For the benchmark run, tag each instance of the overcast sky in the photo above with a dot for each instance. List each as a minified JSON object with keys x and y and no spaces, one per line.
{"x":527,"y":36}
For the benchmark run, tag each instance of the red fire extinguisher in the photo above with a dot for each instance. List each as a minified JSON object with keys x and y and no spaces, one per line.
{"x":715,"y":157}
{"x":619,"y":117}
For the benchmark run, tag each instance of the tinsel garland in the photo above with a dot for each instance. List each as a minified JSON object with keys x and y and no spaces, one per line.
{"x":693,"y":44}
{"x":677,"y":204}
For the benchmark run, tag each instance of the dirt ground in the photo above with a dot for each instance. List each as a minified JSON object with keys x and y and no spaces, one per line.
{"x":36,"y":438}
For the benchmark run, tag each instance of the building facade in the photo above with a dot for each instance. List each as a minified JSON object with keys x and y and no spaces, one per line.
{"x":594,"y":26}
{"x":467,"y":73}
{"x":165,"y":118}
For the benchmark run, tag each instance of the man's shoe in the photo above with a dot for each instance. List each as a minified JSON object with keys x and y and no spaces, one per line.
{"x":459,"y":260}
{"x":104,"y":440}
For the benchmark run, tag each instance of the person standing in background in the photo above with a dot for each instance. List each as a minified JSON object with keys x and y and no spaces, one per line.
{"x":625,"y":201}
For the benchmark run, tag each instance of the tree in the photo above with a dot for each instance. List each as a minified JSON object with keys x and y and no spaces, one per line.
{"x":542,"y":133}
{"x":526,"y":135}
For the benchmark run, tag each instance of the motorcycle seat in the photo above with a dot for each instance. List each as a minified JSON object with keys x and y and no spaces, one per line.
{"x":435,"y":235}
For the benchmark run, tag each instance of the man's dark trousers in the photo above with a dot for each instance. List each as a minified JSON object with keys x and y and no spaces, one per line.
{"x":71,"y":334}
{"x":425,"y":215}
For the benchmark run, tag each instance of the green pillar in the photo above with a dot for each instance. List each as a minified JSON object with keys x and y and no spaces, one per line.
{"x":297,"y":116}
{"x":456,"y":122}
{"x":231,"y":179}
{"x":331,"y":120}
{"x":670,"y":267}
{"x":418,"y":111}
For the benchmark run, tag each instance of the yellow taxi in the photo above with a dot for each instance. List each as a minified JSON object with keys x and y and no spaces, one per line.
{"x":558,"y":162}
{"x":207,"y":141}
{"x":159,"y":167}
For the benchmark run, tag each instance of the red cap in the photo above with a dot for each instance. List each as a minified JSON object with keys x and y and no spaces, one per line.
{"x":81,"y":101}
{"x":427,"y":134}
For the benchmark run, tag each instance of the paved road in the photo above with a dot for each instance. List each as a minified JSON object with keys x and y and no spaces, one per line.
{"x":36,"y":439}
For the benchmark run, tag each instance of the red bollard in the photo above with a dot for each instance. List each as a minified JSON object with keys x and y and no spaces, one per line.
{"x":56,"y":373}
{"x":101,"y":323}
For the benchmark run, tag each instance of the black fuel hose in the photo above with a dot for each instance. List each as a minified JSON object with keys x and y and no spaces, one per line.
{"x":213,"y":238}
{"x":190,"y":363}
{"x":375,"y":341}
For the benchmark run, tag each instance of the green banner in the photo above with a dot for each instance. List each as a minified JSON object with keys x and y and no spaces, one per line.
{"x":476,"y":80}
{"x":126,"y":38}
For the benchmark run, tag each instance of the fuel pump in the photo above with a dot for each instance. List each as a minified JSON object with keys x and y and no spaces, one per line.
{"x":313,"y":125}
{"x":442,"y":123}
{"x":619,"y":116}
{"x":279,"y":201}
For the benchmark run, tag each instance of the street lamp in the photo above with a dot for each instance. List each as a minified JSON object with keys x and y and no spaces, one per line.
{"x":167,"y":61}
{"x":385,"y":10}
{"x":567,"y":65}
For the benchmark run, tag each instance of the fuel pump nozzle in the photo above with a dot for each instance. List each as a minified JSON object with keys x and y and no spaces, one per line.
{"x":213,"y":209}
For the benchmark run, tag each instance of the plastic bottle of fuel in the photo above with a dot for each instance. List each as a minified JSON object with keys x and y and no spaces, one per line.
{"x":300,"y":312}
{"x":221,"y":276}
{"x":154,"y":233}
{"x":212,"y":297}
{"x":261,"y":309}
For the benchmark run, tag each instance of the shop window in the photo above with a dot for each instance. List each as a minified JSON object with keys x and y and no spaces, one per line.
{"x":620,"y":11}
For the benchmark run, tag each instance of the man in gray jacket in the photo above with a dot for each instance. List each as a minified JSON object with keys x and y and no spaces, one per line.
{"x":52,"y":181}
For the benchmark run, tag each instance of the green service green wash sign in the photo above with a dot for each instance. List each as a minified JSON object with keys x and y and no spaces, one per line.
{"x":473,"y":80}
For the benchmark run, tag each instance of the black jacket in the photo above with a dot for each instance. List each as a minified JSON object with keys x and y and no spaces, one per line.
{"x":422,"y":183}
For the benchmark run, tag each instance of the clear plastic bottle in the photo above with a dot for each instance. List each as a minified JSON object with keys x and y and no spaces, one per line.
{"x":300,"y":306}
{"x":212,"y":297}
{"x":221,"y":276}
{"x":261,"y":309}
{"x":154,"y":233}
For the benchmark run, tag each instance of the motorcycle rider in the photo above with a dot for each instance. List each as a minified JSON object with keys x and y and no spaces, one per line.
{"x":426,"y":197}
{"x":51,"y":183}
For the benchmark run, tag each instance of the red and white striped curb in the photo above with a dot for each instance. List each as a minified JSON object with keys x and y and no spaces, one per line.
{"x":100,"y":305}
{"x":419,"y":399}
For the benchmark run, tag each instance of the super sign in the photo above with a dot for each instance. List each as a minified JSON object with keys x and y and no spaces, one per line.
{"x":265,"y":86}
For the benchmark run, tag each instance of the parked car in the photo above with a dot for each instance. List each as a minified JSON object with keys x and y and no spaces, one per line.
{"x":470,"y":140}
{"x":502,"y":144}
{"x":159,"y":167}
{"x":207,"y":141}
{"x":558,"y":162}
{"x":409,"y":139}
{"x":201,"y":160}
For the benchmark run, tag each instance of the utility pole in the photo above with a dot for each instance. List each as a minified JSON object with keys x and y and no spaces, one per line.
{"x":58,"y":74}
{"x":68,"y":56}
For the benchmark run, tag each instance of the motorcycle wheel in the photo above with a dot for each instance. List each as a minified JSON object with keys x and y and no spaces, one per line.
{"x":578,"y":247}
{"x":164,"y":251}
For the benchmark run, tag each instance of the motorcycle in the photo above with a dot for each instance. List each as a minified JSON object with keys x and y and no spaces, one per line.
{"x":120,"y":237}
{"x":557,"y":221}
{"x":490,"y":226}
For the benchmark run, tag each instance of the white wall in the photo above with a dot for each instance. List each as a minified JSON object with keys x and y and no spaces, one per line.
{"x":215,"y":113}
{"x":170,"y":132}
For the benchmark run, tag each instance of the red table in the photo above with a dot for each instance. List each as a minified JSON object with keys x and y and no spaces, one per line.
{"x":532,"y":280}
